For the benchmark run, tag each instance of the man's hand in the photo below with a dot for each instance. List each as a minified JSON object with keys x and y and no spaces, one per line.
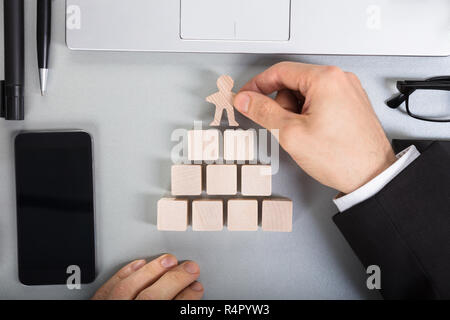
{"x":160,"y":279}
{"x":325,"y":119}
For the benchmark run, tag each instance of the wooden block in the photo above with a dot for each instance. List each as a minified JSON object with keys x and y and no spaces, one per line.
{"x":207,"y":215}
{"x":242,"y":215}
{"x":223,"y":99}
{"x":256,"y":180}
{"x":186,"y":180}
{"x":203,"y":145}
{"x":172,"y":215}
{"x":239,"y":145}
{"x":277,"y":215}
{"x":221,"y":179}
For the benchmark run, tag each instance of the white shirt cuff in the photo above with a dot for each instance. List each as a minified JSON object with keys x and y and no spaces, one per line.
{"x":379,"y":182}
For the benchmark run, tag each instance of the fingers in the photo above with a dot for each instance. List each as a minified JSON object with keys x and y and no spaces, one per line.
{"x":161,"y":278}
{"x":285,"y":75}
{"x":172,"y":282}
{"x":123,"y":273}
{"x":130,"y":287}
{"x":194,"y":292}
{"x":263,"y":110}
{"x":288,"y":100}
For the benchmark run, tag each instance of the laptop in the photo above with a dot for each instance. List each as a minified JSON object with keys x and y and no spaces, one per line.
{"x":360,"y":27}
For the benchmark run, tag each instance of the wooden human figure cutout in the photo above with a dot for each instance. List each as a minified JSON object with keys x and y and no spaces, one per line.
{"x":223,"y":99}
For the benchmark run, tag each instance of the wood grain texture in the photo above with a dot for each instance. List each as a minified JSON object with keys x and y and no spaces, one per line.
{"x":242,"y":215}
{"x":256,"y":180}
{"x":239,"y":145}
{"x":221,"y":179}
{"x":203,"y":145}
{"x":207,"y":215}
{"x":223,"y":99}
{"x":277,"y":215}
{"x":186,"y":180}
{"x":172,"y":214}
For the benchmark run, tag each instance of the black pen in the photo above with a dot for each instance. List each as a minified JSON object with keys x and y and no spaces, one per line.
{"x":43,"y":37}
{"x":12,"y":101}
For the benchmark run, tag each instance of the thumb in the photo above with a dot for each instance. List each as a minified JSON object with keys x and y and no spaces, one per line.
{"x":262,"y":109}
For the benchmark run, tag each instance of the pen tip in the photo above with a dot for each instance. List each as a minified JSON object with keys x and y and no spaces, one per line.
{"x":43,"y":74}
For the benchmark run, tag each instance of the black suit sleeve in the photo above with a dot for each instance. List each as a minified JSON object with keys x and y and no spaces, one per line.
{"x":405,"y":229}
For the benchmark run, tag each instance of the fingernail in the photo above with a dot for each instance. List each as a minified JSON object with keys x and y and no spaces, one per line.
{"x":241,"y":102}
{"x":197,"y":286}
{"x":138,"y":264}
{"x":168,"y":262}
{"x":191,"y":267}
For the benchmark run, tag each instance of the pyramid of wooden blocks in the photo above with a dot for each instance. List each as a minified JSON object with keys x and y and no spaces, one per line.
{"x":203,"y":145}
{"x":186,"y":180}
{"x":221,"y":179}
{"x":207,"y":215}
{"x":242,"y":215}
{"x":256,"y":180}
{"x":172,"y":215}
{"x":277,"y":215}
{"x":239,"y":145}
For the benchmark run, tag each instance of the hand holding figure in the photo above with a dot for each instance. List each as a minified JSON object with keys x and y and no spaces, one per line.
{"x":326,"y":122}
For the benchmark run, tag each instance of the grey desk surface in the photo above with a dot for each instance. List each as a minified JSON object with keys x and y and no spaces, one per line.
{"x":130,"y":103}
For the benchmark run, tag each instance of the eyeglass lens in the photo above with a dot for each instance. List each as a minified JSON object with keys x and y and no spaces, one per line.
{"x":430,"y":104}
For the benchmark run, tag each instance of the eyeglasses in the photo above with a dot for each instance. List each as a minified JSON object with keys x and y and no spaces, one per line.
{"x":431,"y":101}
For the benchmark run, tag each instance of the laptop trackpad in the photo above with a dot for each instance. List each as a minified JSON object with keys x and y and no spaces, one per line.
{"x":251,"y":20}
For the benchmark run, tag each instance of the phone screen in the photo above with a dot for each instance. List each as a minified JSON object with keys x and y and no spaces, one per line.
{"x":55,"y":207}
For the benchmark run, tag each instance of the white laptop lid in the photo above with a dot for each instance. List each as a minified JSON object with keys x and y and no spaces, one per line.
{"x":376,"y":27}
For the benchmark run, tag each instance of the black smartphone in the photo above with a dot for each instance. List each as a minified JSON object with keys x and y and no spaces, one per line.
{"x":55,"y":207}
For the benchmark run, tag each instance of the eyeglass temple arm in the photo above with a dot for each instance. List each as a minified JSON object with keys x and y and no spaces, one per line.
{"x":407,"y":87}
{"x":396,"y":101}
{"x":402,"y":86}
